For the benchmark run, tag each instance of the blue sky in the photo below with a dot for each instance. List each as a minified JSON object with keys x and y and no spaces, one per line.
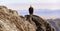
{"x":43,"y":8}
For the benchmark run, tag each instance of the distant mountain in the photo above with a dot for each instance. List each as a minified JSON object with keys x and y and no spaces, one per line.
{"x":55,"y":23}
{"x":46,"y":11}
{"x":42,"y":12}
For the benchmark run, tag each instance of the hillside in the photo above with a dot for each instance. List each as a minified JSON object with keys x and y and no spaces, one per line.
{"x":11,"y":21}
{"x":55,"y":23}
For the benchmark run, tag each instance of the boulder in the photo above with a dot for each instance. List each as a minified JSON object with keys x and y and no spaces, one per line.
{"x":40,"y":23}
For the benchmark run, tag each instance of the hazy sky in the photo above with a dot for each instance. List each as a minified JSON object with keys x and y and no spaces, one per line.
{"x":51,"y":5}
{"x":37,"y":4}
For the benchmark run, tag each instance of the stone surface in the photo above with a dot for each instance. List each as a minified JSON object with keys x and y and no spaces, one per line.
{"x":40,"y":23}
{"x":11,"y":21}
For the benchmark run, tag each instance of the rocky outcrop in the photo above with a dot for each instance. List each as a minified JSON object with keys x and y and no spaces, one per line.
{"x":11,"y":21}
{"x":40,"y":23}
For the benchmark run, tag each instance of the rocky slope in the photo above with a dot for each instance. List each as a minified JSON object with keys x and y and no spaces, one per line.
{"x":55,"y":23}
{"x":11,"y":21}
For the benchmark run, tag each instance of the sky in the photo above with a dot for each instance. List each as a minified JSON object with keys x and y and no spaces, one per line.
{"x":37,"y":4}
{"x":45,"y":8}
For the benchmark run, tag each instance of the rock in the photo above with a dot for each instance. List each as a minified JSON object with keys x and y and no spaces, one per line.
{"x":11,"y":21}
{"x":40,"y":23}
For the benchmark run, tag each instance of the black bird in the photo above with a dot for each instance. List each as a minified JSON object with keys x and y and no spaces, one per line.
{"x":31,"y":10}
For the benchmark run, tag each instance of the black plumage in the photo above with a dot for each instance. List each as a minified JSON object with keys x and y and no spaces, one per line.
{"x":31,"y":10}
